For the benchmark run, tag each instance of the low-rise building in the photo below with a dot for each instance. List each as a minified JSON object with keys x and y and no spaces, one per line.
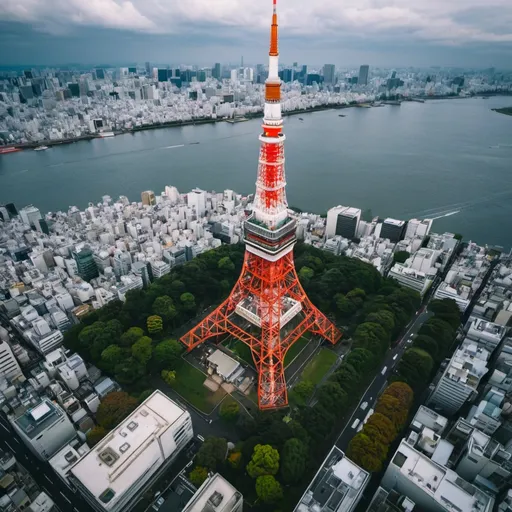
{"x":125,"y":463}
{"x":337,"y":487}
{"x":215,"y":495}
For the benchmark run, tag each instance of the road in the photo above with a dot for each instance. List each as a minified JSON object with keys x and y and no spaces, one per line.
{"x":378,"y":383}
{"x":41,"y":472}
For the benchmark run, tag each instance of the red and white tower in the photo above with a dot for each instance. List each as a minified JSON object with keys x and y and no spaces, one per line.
{"x":268,"y":308}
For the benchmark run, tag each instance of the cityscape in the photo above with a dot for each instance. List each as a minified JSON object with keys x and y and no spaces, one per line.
{"x":226,"y":351}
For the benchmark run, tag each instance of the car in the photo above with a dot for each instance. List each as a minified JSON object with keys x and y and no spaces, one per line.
{"x":356,"y":423}
{"x":409,"y":340}
{"x":394,"y":357}
{"x":158,"y":503}
{"x":364,"y":405}
{"x":384,"y":370}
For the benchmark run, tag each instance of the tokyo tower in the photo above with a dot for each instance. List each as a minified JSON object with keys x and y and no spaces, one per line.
{"x":268,"y":308}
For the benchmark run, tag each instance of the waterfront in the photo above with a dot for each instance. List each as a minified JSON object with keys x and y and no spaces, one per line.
{"x":422,"y":160}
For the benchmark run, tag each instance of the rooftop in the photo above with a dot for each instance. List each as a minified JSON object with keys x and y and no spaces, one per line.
{"x":215,"y":495}
{"x":394,"y":222}
{"x":442,"y":484}
{"x":134,"y":447}
{"x":337,"y":486}
{"x":38,"y":418}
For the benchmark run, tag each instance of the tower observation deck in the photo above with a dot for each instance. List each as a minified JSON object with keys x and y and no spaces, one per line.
{"x":268,"y":308}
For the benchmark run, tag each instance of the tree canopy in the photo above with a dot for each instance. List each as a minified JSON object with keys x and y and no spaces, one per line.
{"x":268,"y":489}
{"x":114,"y":408}
{"x":293,"y":460}
{"x":212,"y":453}
{"x":264,"y":461}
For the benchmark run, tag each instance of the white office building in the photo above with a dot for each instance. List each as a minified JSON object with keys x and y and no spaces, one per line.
{"x":215,"y":495}
{"x":337,"y":487}
{"x":462,"y":295}
{"x":460,"y":379}
{"x":125,"y":463}
{"x":196,"y":199}
{"x":431,"y":486}
{"x":44,"y":428}
{"x":159,"y":268}
{"x":487,"y":334}
{"x":411,"y":278}
{"x":9,"y":367}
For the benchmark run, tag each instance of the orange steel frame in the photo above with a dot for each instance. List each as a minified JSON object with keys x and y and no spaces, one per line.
{"x":269,"y":282}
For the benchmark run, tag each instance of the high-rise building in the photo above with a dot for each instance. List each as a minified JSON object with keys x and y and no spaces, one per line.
{"x":363,"y":74}
{"x":148,"y":198}
{"x":268,"y":295}
{"x":100,"y":74}
{"x":163,"y":75}
{"x":343,"y":221}
{"x":85,"y":263}
{"x":196,"y":199}
{"x":9,"y":366}
{"x":44,"y":428}
{"x":393,"y":230}
{"x":124,"y":464}
{"x":460,"y":379}
{"x":30,"y":215}
{"x":216,"y":71}
{"x":338,"y":485}
{"x":329,"y":74}
{"x":215,"y":495}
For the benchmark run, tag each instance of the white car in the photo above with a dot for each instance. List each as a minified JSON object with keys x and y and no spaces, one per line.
{"x":158,"y":503}
{"x":394,"y":357}
{"x":356,"y":423}
{"x":364,"y":405}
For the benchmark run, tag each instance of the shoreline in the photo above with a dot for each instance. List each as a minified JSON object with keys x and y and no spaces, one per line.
{"x":246,"y":117}
{"x":506,"y":111}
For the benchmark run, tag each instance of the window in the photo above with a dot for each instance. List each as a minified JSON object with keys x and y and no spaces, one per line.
{"x":132,"y":425}
{"x":144,"y":412}
{"x":107,"y":495}
{"x":124,"y":447}
{"x":399,"y":459}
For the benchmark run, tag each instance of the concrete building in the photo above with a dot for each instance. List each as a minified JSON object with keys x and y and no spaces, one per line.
{"x":337,"y":487}
{"x":363,"y":74}
{"x":148,"y":197}
{"x":44,"y":428}
{"x":9,"y":366}
{"x":486,"y":334}
{"x":125,"y":463}
{"x":343,"y":221}
{"x":215,"y":495}
{"x":460,"y":379}
{"x":411,"y":278}
{"x":329,"y":74}
{"x":393,"y":229}
{"x":426,"y":417}
{"x":196,"y":199}
{"x":431,"y":486}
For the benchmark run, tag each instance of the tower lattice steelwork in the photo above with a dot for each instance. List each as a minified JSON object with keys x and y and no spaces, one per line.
{"x":268,"y":308}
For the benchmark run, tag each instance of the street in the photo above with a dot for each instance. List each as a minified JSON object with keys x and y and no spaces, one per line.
{"x":41,"y":472}
{"x":371,"y":394}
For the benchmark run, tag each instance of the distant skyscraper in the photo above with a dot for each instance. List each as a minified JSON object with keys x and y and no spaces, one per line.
{"x":148,"y":68}
{"x":216,"y":71}
{"x":100,"y":73}
{"x":329,"y":74}
{"x":85,"y":263}
{"x":363,"y":75}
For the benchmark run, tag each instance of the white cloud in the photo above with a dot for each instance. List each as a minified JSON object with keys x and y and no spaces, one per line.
{"x":444,"y":21}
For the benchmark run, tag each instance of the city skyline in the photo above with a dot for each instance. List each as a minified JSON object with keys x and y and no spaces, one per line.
{"x":392,"y":34}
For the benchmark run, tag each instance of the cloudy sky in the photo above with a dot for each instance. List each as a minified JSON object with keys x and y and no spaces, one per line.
{"x":344,"y":32}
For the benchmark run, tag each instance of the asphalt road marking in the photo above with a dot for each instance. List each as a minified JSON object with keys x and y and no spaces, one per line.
{"x":11,"y":448}
{"x":16,"y":440}
{"x":6,"y":429}
{"x":65,"y":497}
{"x":48,"y":479}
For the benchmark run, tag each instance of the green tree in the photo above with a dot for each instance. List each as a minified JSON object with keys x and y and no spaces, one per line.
{"x":112,"y":355}
{"x":384,"y":318}
{"x":344,"y":306}
{"x":446,"y":310}
{"x":393,"y":409}
{"x":318,"y":422}
{"x":114,"y":408}
{"x":129,"y":371}
{"x":155,"y":324}
{"x":229,"y":410}
{"x":458,"y":236}
{"x":264,"y":461}
{"x":198,"y":475}
{"x":226,"y":264}
{"x":131,"y":336}
{"x":347,"y":377}
{"x":212,"y":453}
{"x":168,"y":376}
{"x":302,"y":392}
{"x":426,"y":343}
{"x":367,"y":452}
{"x":306,"y":274}
{"x":357,"y":296}
{"x":268,"y":489}
{"x":164,"y":308}
{"x":380,"y":428}
{"x":145,"y":395}
{"x":142,"y":350}
{"x":332,"y":397}
{"x":95,"y":435}
{"x":361,"y":359}
{"x":188,"y":302}
{"x":293,"y":460}
{"x":400,"y":256}
{"x":167,"y":354}
{"x":415,"y":368}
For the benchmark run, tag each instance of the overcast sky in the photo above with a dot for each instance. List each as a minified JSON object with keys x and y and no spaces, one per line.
{"x":344,"y":32}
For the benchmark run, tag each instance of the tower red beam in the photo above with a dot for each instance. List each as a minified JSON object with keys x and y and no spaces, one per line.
{"x":268,"y":309}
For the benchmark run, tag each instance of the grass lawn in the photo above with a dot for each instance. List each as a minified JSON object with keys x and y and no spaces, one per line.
{"x":319,"y":366}
{"x":189,"y":384}
{"x":294,"y":350}
{"x":240,"y":349}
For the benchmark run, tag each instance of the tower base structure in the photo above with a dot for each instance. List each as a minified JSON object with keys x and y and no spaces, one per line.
{"x":269,"y":311}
